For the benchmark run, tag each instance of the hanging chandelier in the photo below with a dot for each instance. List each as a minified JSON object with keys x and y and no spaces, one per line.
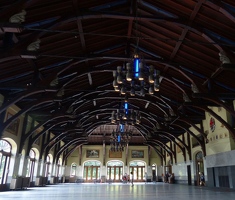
{"x":124,"y":115}
{"x":120,"y":116}
{"x":120,"y":138}
{"x":136,"y":78}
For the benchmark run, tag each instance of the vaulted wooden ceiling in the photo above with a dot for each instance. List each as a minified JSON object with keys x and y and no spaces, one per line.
{"x":57,"y":61}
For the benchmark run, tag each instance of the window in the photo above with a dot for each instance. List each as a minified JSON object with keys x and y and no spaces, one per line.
{"x":31,"y":164}
{"x":5,"y":154}
{"x":58,"y":167}
{"x":47,"y":166}
{"x":73,"y":169}
{"x":5,"y":146}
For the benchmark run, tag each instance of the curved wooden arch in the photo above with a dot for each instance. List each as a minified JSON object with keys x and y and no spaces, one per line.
{"x":57,"y":138}
{"x":190,"y":132}
{"x":66,"y":154}
{"x":143,"y":18}
{"x":163,"y":146}
{"x":27,"y":93}
{"x":60,"y":115}
{"x":230,"y":129}
{"x":200,"y":142}
{"x":26,"y":109}
{"x":187,"y":121}
{"x":99,"y":123}
{"x":119,"y":98}
{"x":66,"y":146}
{"x":176,"y":143}
{"x":107,"y":121}
{"x":215,"y":100}
{"x":41,"y":133}
{"x":158,"y":152}
{"x":181,"y":141}
{"x":47,"y":150}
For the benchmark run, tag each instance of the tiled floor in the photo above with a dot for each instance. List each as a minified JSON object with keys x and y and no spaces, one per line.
{"x":140,"y":191}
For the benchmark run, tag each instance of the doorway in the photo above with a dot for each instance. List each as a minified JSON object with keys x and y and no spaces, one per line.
{"x":115,"y":171}
{"x":138,"y":169}
{"x":199,"y":167}
{"x":5,"y":155}
{"x":91,"y":171}
{"x":189,"y":175}
{"x":154,"y":173}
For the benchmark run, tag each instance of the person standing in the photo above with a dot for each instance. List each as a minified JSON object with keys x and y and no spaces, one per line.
{"x":202,"y":179}
{"x":132,"y":178}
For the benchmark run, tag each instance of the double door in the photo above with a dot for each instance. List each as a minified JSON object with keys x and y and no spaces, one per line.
{"x":114,"y":173}
{"x":4,"y":166}
{"x":138,"y":172}
{"x":91,"y":173}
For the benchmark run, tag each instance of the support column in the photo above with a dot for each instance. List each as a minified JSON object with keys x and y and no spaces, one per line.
{"x":17,"y":158}
{"x":40,"y":168}
{"x":25,"y":165}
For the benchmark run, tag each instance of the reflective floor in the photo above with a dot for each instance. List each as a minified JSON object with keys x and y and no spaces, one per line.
{"x":103,"y":191}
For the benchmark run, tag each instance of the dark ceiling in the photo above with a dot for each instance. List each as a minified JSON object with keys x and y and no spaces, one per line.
{"x":57,"y":64}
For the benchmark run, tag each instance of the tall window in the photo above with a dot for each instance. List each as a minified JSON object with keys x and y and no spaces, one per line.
{"x":5,"y":154}
{"x":138,"y":169}
{"x":199,"y":165}
{"x":31,"y":164}
{"x":48,"y":162}
{"x":73,"y":169}
{"x":58,"y":168}
{"x":114,"y":170}
{"x":91,"y":170}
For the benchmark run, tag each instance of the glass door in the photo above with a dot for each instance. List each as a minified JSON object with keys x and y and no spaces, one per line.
{"x":114,"y":173}
{"x":199,"y":166}
{"x":138,"y":172}
{"x":91,"y":171}
{"x":5,"y":155}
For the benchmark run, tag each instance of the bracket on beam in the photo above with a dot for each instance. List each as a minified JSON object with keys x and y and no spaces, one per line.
{"x":11,"y":27}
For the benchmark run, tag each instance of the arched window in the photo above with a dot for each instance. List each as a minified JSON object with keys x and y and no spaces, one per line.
{"x":31,"y":164}
{"x":137,"y":163}
{"x":5,"y":154}
{"x":199,"y":156}
{"x":5,"y":146}
{"x":138,"y":169}
{"x":91,"y":170}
